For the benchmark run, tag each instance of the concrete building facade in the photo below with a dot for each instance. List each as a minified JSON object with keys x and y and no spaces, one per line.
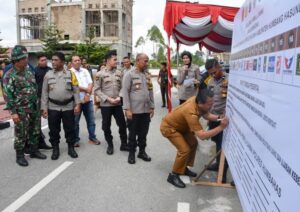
{"x":111,"y":20}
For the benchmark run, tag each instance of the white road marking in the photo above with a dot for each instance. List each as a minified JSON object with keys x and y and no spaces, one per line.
{"x":35,"y":189}
{"x":183,"y":207}
{"x":185,"y":179}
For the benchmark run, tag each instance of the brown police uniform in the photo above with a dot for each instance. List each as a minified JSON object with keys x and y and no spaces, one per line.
{"x":179,"y":127}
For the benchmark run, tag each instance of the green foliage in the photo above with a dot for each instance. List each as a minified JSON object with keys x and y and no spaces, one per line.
{"x":140,"y":42}
{"x":51,"y":41}
{"x":161,"y":55}
{"x":94,"y":53}
{"x":154,"y":34}
{"x":3,"y":54}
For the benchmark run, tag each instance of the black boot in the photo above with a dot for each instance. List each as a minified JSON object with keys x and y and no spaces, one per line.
{"x":124,"y":147}
{"x":42,"y":143}
{"x":190,"y":173}
{"x":71,"y":151}
{"x":175,"y":180}
{"x":110,"y":148}
{"x":35,"y":153}
{"x":131,"y":157}
{"x":26,"y":149}
{"x":143,"y":155}
{"x":55,"y":152}
{"x":20,"y":158}
{"x":4,"y":125}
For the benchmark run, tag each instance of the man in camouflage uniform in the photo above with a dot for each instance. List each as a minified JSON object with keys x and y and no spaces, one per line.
{"x":139,"y":106}
{"x":20,"y":91}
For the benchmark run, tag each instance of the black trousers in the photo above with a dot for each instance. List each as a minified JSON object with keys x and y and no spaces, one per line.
{"x":218,"y":140}
{"x":164,"y":94}
{"x":138,"y":129}
{"x":118,"y":114}
{"x":54,"y":120}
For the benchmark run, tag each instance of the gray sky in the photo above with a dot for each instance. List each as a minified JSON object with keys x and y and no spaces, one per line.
{"x":146,"y":13}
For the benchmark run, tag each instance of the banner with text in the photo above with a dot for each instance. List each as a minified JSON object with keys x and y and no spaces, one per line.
{"x":262,"y":143}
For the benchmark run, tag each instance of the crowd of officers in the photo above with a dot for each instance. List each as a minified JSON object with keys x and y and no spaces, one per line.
{"x":63,"y":94}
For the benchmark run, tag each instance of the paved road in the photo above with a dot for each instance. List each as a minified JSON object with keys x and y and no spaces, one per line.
{"x":98,"y":182}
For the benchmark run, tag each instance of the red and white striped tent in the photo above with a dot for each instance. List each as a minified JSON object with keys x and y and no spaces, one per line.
{"x":209,"y":26}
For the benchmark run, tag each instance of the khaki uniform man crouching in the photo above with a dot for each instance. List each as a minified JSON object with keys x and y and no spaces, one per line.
{"x":182,"y":125}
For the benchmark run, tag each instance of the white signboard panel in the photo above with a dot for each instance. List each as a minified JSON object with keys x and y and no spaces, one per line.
{"x":262,"y":142}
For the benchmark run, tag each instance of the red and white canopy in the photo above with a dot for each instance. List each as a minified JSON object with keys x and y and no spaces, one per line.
{"x":207,"y":25}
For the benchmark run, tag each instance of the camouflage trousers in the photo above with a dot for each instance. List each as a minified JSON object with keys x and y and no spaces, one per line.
{"x":27,"y":130}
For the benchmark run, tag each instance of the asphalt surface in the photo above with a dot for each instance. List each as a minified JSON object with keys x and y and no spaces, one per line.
{"x":99,"y":182}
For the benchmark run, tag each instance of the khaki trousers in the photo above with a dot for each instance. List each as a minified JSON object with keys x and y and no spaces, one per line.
{"x":186,"y":145}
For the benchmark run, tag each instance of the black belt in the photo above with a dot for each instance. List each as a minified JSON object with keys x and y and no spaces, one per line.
{"x":61,"y":103}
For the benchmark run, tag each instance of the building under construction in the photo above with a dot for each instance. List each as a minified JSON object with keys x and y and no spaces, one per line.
{"x":110,"y":19}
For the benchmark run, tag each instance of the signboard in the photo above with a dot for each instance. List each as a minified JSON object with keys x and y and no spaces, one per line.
{"x":262,"y":142}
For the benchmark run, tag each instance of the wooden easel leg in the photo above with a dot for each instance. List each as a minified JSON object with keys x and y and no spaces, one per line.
{"x":221,"y":168}
{"x":220,"y":174}
{"x":209,"y":163}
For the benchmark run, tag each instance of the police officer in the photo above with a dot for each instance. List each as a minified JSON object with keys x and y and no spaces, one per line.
{"x":188,"y":78}
{"x":20,"y":92}
{"x":107,"y":87}
{"x":139,"y":106}
{"x":218,"y":84}
{"x":60,"y":100}
{"x":180,"y":127}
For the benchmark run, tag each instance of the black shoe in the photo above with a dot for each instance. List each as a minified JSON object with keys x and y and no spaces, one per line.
{"x":110,"y":150}
{"x":131,"y":158}
{"x":21,"y":161}
{"x":175,"y":180}
{"x":190,"y":173}
{"x":163,"y":106}
{"x":4,"y":125}
{"x":71,"y":151}
{"x":213,"y":167}
{"x":55,"y":153}
{"x":43,"y":145}
{"x":232,"y":183}
{"x":37,"y":154}
{"x":124,"y":147}
{"x":143,"y":155}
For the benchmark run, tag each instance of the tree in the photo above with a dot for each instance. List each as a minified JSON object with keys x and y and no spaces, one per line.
{"x":197,"y":58}
{"x":154,"y":34}
{"x":161,"y":56}
{"x":140,"y":42}
{"x":92,"y":51}
{"x":51,"y":40}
